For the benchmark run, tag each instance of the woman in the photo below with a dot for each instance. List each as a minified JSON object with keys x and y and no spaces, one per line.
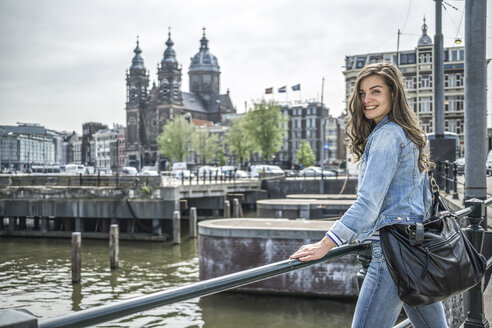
{"x":392,"y":189}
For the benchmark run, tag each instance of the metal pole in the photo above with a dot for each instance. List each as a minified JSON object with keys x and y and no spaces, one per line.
{"x":475,"y":233}
{"x":439,"y":74}
{"x":475,"y":100}
{"x":322,"y":156}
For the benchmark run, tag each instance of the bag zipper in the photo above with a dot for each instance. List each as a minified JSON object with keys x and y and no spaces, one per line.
{"x":428,"y":253}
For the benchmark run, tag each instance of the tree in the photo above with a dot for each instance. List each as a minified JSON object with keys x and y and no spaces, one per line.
{"x":305,"y":155}
{"x":238,"y":140}
{"x":175,"y":139}
{"x":266,"y":127}
{"x":205,"y":144}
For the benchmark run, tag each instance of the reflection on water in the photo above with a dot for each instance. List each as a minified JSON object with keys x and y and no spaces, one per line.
{"x":35,"y":274}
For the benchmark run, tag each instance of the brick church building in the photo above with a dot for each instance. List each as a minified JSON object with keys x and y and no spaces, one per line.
{"x":149,"y":108}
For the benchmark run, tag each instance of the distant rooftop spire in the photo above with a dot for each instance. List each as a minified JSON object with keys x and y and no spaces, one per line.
{"x":203,"y":41}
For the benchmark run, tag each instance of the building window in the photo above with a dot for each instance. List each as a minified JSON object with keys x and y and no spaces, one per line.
{"x":453,"y":103}
{"x":361,"y":61}
{"x":425,"y":58}
{"x":410,"y":82}
{"x":425,"y":81}
{"x":453,"y":80}
{"x":425,"y":104}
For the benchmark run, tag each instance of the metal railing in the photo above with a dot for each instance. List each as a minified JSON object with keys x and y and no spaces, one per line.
{"x":116,"y":310}
{"x":474,"y":211}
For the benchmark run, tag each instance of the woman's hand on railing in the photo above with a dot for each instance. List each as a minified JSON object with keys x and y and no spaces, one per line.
{"x":314,"y":251}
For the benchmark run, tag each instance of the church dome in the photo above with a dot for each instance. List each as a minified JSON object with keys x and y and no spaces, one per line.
{"x":137,"y":61}
{"x":204,"y":60}
{"x":424,"y":40}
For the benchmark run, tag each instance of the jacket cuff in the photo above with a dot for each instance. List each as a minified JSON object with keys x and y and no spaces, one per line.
{"x":340,"y":234}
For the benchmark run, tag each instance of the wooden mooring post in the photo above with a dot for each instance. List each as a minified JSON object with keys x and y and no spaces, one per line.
{"x":176,"y":227}
{"x":227,"y":209}
{"x":193,"y":222}
{"x":76,"y":256}
{"x":236,"y":210}
{"x":114,"y":246}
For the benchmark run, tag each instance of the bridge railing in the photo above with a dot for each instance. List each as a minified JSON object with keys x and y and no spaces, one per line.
{"x":474,"y":211}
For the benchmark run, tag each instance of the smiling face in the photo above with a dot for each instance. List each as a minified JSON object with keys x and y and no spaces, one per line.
{"x":376,"y":98}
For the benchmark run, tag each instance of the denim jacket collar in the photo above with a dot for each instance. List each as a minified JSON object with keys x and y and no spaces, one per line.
{"x":380,"y":124}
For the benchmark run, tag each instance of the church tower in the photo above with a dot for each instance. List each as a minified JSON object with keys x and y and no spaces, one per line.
{"x":204,"y":73}
{"x":169,"y":75}
{"x":137,"y":83}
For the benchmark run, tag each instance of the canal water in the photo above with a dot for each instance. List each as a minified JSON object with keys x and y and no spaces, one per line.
{"x":35,"y":274}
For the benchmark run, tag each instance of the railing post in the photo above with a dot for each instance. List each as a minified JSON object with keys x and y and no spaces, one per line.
{"x":438,"y":175}
{"x":446,"y":174}
{"x":193,"y":221}
{"x":76,"y":256}
{"x":364,"y":258}
{"x":114,"y":246}
{"x":475,"y":233}
{"x":455,"y":181}
{"x":176,"y":227}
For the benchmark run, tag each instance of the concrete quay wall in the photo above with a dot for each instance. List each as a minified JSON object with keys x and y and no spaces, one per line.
{"x":281,"y":187}
{"x":231,"y":245}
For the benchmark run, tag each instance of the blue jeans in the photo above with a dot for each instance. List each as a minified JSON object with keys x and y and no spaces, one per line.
{"x":379,"y":305}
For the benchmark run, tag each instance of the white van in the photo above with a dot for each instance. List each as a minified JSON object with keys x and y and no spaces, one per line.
{"x":488,"y":163}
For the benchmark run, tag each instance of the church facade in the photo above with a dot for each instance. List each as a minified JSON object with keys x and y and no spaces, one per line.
{"x":149,"y":108}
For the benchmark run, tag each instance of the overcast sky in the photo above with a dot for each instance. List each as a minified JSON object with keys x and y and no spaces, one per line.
{"x":63,"y":62}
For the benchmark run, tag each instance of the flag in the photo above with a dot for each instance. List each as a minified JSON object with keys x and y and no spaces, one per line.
{"x":282,"y":89}
{"x":269,"y":90}
{"x":296,"y":87}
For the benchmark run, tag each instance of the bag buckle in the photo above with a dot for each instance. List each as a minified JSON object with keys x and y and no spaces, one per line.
{"x":416,"y":235}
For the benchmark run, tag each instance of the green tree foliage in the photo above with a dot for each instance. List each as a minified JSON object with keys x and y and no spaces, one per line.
{"x":205,"y":144}
{"x":305,"y":155}
{"x":221,"y":157}
{"x":238,"y":139}
{"x":175,"y":139}
{"x":266,"y":127}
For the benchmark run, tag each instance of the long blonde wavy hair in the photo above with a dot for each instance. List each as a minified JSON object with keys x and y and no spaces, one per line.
{"x":359,"y":127}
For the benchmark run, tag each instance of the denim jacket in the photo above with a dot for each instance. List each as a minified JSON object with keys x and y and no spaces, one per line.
{"x":391,"y":188}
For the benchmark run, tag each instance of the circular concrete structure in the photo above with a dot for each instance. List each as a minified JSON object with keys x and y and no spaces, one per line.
{"x":231,"y":245}
{"x":323,"y":196}
{"x":290,"y":208}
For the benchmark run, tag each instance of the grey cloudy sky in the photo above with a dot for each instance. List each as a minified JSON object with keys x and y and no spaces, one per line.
{"x":63,"y":62}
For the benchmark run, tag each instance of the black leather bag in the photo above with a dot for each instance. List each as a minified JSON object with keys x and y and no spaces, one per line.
{"x":431,"y":261}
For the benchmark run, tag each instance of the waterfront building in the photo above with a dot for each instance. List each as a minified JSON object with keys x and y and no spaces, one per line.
{"x":305,"y":122}
{"x":88,"y":156}
{"x":417,"y":68}
{"x":148,"y":109}
{"x":105,"y":140}
{"x":27,"y":144}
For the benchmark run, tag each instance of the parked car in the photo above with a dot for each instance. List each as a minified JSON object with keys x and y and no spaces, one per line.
{"x":291,"y":173}
{"x":268,"y":170}
{"x":129,"y":170}
{"x":241,"y":174}
{"x":460,"y":165}
{"x":314,"y":171}
{"x":180,"y":174}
